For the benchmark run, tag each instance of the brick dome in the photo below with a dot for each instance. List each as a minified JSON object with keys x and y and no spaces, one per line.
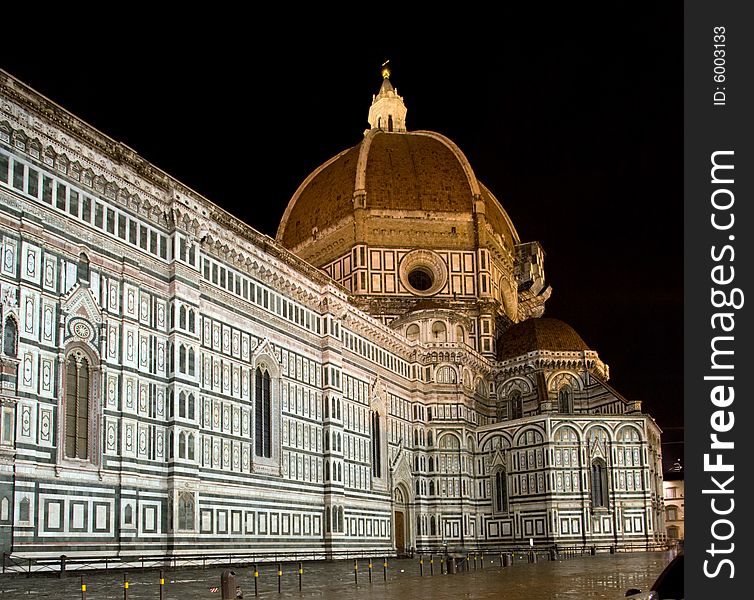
{"x":391,"y":174}
{"x":539,"y":334}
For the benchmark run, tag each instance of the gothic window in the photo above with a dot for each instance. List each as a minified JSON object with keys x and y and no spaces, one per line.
{"x":376,"y":445}
{"x":326,"y":407}
{"x":182,"y":359}
{"x":327,"y":471}
{"x":191,"y":406}
{"x":182,"y":445}
{"x":432,"y":524}
{"x":599,"y":484}
{"x":340,"y":519}
{"x":191,"y":320}
{"x":182,"y":318}
{"x":186,"y":512}
{"x":515,"y":405}
{"x":191,"y":362}
{"x":327,"y":519}
{"x":128,"y":515}
{"x":83,"y":270}
{"x":190,"y":444}
{"x":263,"y":414}
{"x":77,"y":406}
{"x":500,"y":491}
{"x":431,"y":487}
{"x":10,"y":337}
{"x":182,"y":405}
{"x":565,"y":400}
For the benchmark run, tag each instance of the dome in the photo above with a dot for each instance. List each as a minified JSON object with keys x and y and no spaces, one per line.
{"x":390,"y":175}
{"x":539,"y":334}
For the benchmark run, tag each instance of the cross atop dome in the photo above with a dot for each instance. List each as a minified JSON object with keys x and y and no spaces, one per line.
{"x":387,"y":111}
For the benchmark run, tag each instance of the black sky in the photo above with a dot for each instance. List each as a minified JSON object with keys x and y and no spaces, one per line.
{"x":572,"y":119}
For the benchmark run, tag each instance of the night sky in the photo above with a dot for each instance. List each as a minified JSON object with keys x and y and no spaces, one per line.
{"x":572,"y":119}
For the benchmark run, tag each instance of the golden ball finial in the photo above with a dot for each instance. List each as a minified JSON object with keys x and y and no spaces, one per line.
{"x":385,"y":69}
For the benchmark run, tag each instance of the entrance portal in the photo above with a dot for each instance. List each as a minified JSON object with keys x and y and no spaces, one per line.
{"x":400,"y":533}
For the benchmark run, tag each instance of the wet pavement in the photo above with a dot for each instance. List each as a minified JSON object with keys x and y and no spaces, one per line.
{"x":600,"y":576}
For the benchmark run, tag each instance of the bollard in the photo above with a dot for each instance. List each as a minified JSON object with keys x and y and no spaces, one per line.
{"x":501,"y":559}
{"x":280,"y":577}
{"x":481,"y":562}
{"x":28,"y":574}
{"x":421,"y":566}
{"x":228,"y":585}
{"x":256,"y":580}
{"x":300,"y":574}
{"x":62,"y":566}
{"x":475,"y":561}
{"x":593,"y":550}
{"x":162,"y":584}
{"x":507,"y":559}
{"x":83,"y":589}
{"x":125,"y":586}
{"x":356,"y":571}
{"x":431,"y":564}
{"x":370,"y":570}
{"x":384,"y":569}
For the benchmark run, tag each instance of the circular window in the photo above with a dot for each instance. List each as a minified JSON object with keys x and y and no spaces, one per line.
{"x":423,"y":272}
{"x":420,"y":279}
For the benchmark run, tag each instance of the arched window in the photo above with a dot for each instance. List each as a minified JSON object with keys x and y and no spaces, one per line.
{"x":412,"y":332}
{"x":326,"y":407}
{"x":439,"y":332}
{"x":10,"y":338}
{"x":77,"y":407}
{"x":182,"y":359}
{"x":515,"y":405}
{"x":418,"y":488}
{"x":565,"y":399}
{"x":182,"y":405}
{"x":191,"y":369}
{"x":599,"y":484}
{"x":182,"y":319}
{"x":340,"y":472}
{"x":327,"y":519}
{"x":190,"y":445}
{"x":432,"y":523}
{"x":186,"y":512}
{"x":128,"y":515}
{"x":376,"y":445}
{"x":327,"y":471}
{"x":460,"y":334}
{"x":182,"y":445}
{"x":191,"y":320}
{"x":24,"y":510}
{"x":500,"y":491}
{"x":340,"y":519}
{"x":263,"y":414}
{"x":431,"y":487}
{"x":191,"y":406}
{"x":390,"y":122}
{"x":83,"y":270}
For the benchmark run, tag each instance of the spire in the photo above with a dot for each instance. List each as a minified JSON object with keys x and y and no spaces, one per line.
{"x":387,"y":111}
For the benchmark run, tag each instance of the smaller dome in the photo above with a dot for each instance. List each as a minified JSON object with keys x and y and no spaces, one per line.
{"x":539,"y":334}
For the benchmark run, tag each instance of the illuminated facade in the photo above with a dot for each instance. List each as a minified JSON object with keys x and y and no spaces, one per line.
{"x":380,"y":377}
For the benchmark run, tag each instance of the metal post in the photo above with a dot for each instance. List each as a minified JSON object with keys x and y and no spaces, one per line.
{"x":280,"y":577}
{"x":256,"y":580}
{"x":29,"y":573}
{"x":125,"y":586}
{"x":421,"y":566}
{"x":162,"y":584}
{"x":83,"y":589}
{"x":481,"y":561}
{"x":300,"y":574}
{"x":384,"y":569}
{"x":431,"y":564}
{"x":370,"y":570}
{"x":356,"y":571}
{"x":501,"y":559}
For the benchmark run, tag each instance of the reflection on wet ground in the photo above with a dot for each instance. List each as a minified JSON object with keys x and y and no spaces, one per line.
{"x":601,"y":576}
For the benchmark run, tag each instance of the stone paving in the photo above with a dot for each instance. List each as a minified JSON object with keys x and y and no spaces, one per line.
{"x":601,"y":576}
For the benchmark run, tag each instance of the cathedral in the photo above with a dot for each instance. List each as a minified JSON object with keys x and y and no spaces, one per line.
{"x":379,"y":377}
